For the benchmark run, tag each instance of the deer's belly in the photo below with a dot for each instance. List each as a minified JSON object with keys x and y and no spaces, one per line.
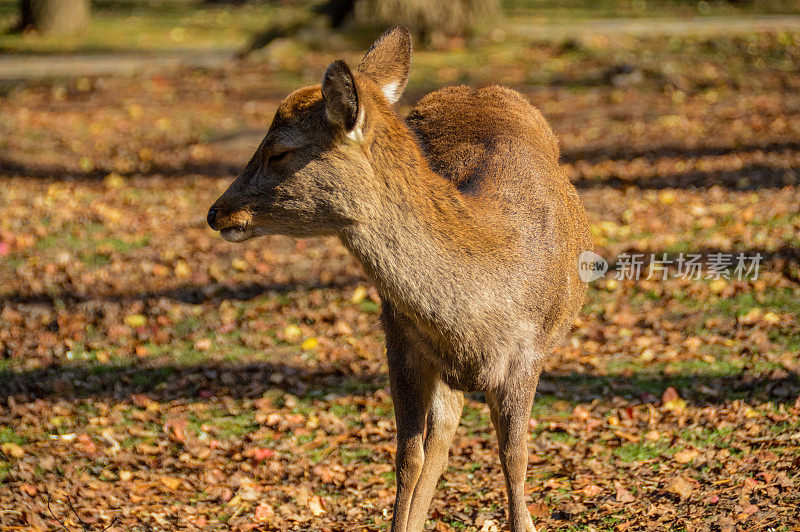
{"x":488,"y":366}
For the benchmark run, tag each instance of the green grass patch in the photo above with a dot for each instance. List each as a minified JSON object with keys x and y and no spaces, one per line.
{"x":317,"y":454}
{"x":90,"y":248}
{"x":228,"y":426}
{"x":720,"y":367}
{"x":587,"y":9}
{"x":234,"y":427}
{"x":8,"y":435}
{"x":551,"y":407}
{"x":369,"y":307}
{"x":124,"y":246}
{"x":475,"y":418}
{"x":95,"y":260}
{"x":704,"y":437}
{"x":125,"y":25}
{"x":60,"y":241}
{"x":346,"y":411}
{"x":5,"y":469}
{"x":384,"y":410}
{"x":562,"y":437}
{"x":356,"y":454}
{"x":778,"y":300}
{"x":636,"y":452}
{"x":187,"y":326}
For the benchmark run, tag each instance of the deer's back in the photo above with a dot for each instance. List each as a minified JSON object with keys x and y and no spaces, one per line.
{"x":499,"y":149}
{"x":467,"y":135}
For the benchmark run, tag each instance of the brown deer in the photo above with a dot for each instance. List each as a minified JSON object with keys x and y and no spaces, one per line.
{"x":463,"y":219}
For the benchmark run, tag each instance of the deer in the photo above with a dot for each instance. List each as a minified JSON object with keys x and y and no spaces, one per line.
{"x":464,"y":221}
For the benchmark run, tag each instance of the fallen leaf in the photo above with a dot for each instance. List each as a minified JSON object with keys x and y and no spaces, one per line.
{"x":622,"y":495}
{"x":670,"y":394}
{"x":292,"y":333}
{"x":176,"y":429}
{"x":114,"y":181}
{"x":748,"y":511}
{"x":680,"y":486}
{"x":13,"y":450}
{"x":581,"y":412}
{"x":203,"y":344}
{"x":685,"y":456}
{"x":182,"y":269}
{"x":489,"y":526}
{"x":36,"y":523}
{"x":85,"y":443}
{"x":259,"y":454}
{"x":783,"y":480}
{"x":309,"y":344}
{"x":592,"y":490}
{"x":749,"y":484}
{"x":263,"y":512}
{"x":172,"y":483}
{"x":315,"y":505}
{"x":135,"y":320}
{"x":539,"y":509}
{"x":359,"y":294}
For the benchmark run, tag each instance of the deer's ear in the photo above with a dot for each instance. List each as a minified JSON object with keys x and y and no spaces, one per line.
{"x":341,"y":97}
{"x":388,"y":62}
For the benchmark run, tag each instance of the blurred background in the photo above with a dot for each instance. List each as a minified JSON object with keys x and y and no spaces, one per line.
{"x":155,"y":377}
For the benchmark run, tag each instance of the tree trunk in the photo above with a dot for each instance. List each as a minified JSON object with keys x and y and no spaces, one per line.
{"x":425,"y":17}
{"x":428,"y":20}
{"x":55,"y":16}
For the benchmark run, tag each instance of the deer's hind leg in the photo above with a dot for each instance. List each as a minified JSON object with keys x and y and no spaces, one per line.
{"x":443,"y":417}
{"x":511,"y":410}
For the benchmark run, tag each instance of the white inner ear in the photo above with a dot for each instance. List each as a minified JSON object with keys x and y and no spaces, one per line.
{"x":391,"y":92}
{"x":357,"y":133}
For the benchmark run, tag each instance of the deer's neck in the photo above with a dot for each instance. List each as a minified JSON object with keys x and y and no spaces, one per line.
{"x":423,"y":242}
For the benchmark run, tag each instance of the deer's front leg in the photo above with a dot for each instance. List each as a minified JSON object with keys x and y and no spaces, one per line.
{"x":443,"y":416}
{"x":412,"y":387}
{"x":411,"y":395}
{"x":511,"y":411}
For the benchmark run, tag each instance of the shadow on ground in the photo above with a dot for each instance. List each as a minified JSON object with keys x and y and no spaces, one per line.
{"x":750,"y":177}
{"x":197,"y":382}
{"x":10,"y":168}
{"x":621,"y":153}
{"x":192,"y":294}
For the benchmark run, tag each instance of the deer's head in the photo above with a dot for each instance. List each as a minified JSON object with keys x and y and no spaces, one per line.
{"x":312,"y":173}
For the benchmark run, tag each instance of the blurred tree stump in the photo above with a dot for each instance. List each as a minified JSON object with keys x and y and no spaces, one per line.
{"x":54,"y":16}
{"x":427,"y":20}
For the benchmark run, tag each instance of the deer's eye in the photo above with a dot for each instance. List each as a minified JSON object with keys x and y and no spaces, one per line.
{"x":278,"y":157}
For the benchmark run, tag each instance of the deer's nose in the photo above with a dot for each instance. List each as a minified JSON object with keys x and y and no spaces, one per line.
{"x":211,"y":218}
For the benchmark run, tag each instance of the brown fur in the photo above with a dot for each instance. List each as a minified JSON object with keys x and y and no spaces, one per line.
{"x":465,"y":222}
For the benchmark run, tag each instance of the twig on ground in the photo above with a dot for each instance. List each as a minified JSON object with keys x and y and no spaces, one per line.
{"x":84,"y":525}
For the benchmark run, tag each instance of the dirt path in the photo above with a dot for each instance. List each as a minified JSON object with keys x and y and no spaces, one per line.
{"x":655,"y":26}
{"x":17,"y":67}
